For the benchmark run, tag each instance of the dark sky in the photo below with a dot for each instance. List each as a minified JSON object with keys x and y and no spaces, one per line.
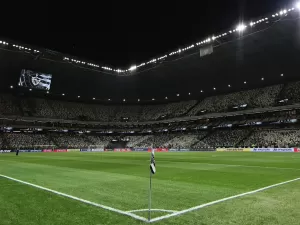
{"x":122,"y":33}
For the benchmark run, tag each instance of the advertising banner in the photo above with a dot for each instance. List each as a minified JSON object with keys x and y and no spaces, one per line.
{"x":60,"y":150}
{"x":73,"y":150}
{"x":296,"y":149}
{"x":85,"y":150}
{"x":203,"y":149}
{"x":140,"y":149}
{"x":179,"y":150}
{"x":184,"y":150}
{"x":97,"y":150}
{"x":108,"y":150}
{"x":122,"y":150}
{"x":5,"y":151}
{"x":47,"y":150}
{"x":158,"y":149}
{"x":273,"y":150}
{"x":234,"y":149}
{"x":30,"y":150}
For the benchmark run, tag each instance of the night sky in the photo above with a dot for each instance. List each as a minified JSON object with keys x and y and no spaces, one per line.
{"x":120,"y":34}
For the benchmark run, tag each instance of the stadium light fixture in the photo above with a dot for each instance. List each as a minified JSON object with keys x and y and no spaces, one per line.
{"x":63,"y":94}
{"x":11,"y":87}
{"x":262,"y":78}
{"x":281,"y":75}
{"x":189,"y":93}
{"x":241,"y":27}
{"x":139,"y":100}
{"x":109,"y":99}
{"x":153,"y":99}
{"x":214,"y":88}
{"x":298,"y":5}
{"x":132,"y":68}
{"x":94,"y":98}
{"x":166,"y":97}
{"x":245,"y":82}
{"x":124,"y":100}
{"x":30,"y":89}
{"x":229,"y":85}
{"x":201,"y":91}
{"x":47,"y":92}
{"x":178,"y":95}
{"x":78,"y":96}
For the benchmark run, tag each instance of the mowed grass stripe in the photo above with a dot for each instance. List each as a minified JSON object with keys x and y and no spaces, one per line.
{"x":109,"y":183}
{"x":25,"y":205}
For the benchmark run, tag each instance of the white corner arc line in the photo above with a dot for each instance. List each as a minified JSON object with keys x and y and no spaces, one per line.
{"x":220,"y":200}
{"x":79,"y":199}
{"x":153,"y":210}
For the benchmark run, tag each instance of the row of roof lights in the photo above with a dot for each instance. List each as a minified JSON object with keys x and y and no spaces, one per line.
{"x":20,"y":47}
{"x":239,"y":29}
{"x":4,"y":43}
{"x":80,"y":62}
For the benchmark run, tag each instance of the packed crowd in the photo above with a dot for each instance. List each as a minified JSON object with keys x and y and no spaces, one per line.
{"x":273,"y":138}
{"x":256,"y":98}
{"x":27,"y":140}
{"x":205,"y":139}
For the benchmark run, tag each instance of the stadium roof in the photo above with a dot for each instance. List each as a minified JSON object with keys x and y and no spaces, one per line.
{"x":251,"y":54}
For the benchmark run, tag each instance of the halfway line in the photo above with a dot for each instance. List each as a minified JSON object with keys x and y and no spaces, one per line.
{"x":79,"y":199}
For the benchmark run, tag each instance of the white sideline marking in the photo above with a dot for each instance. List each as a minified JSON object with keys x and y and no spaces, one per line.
{"x":237,"y":165}
{"x":79,"y":199}
{"x":220,"y":200}
{"x":153,"y":210}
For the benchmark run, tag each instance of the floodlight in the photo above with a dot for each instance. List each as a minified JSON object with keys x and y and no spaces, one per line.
{"x":241,"y":27}
{"x":132,"y":68}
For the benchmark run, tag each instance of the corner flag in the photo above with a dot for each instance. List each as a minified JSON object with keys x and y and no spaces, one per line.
{"x":152,"y":171}
{"x":152,"y":163}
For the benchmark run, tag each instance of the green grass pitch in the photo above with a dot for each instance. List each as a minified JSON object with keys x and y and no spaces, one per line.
{"x":121,"y":181}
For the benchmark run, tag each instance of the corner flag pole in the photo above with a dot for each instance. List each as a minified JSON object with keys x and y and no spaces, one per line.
{"x":152,"y":171}
{"x":150,"y":195}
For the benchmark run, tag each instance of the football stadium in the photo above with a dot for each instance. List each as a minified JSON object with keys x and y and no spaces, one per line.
{"x":207,"y":134}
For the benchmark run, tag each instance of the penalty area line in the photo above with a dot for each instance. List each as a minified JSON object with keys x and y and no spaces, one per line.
{"x":220,"y":200}
{"x":78,"y":199}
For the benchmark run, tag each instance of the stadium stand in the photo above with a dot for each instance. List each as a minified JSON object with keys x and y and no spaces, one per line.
{"x":27,"y":140}
{"x":273,"y":138}
{"x":256,"y":98}
{"x":219,"y":138}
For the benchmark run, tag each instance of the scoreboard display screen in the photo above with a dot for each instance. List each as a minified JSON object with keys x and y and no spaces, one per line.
{"x":36,"y":80}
